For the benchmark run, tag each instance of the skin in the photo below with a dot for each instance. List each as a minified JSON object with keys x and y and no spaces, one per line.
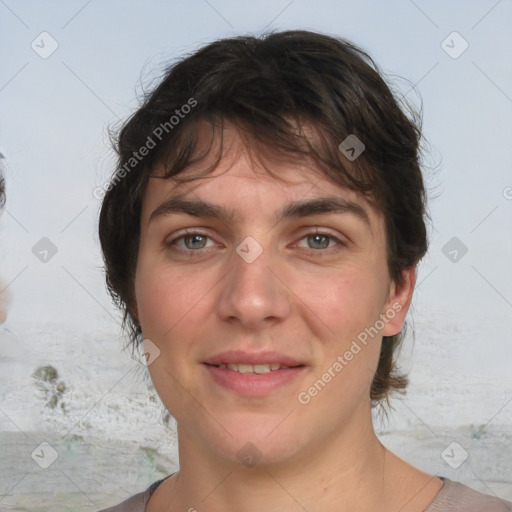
{"x":297,"y":297}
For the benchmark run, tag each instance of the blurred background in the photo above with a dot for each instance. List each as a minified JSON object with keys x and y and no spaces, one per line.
{"x":80,"y":426}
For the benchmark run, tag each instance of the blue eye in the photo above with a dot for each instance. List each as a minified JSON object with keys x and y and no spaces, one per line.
{"x":197,"y":241}
{"x":320,"y":239}
{"x":193,"y":242}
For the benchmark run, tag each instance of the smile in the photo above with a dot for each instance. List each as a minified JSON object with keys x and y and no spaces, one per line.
{"x":252,"y":380}
{"x":250,"y":368}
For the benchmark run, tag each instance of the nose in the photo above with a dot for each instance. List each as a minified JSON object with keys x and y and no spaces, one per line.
{"x":254,"y":292}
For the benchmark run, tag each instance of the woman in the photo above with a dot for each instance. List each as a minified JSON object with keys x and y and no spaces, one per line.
{"x":261,"y":233}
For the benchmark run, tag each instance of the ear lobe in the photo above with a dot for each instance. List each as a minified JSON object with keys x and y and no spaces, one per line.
{"x":398,"y":303}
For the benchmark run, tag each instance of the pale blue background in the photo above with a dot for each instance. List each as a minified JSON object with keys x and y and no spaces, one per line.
{"x":55,"y":113}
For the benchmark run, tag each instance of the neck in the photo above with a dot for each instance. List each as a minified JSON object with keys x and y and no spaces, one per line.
{"x":346,"y":473}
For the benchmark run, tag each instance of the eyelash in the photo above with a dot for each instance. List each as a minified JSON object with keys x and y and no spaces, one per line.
{"x":191,"y":252}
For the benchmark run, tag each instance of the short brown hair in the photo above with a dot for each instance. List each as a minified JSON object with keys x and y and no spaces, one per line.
{"x":268,"y":87}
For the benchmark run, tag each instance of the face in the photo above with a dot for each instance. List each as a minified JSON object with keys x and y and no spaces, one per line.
{"x":267,"y":275}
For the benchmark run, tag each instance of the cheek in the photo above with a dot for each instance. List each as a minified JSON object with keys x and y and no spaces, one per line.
{"x":340,"y":309}
{"x":173,"y":312}
{"x":165,"y":297}
{"x":345,"y":302}
{"x":170,"y":307}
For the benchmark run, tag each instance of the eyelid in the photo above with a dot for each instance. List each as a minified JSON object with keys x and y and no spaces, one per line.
{"x":183,"y":233}
{"x":323,"y":232}
{"x":311,"y":231}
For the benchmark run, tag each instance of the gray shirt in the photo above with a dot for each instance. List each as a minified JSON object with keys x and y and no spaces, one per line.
{"x":453,"y":497}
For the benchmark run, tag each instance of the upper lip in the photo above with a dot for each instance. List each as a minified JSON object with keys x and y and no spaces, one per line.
{"x":241,"y":357}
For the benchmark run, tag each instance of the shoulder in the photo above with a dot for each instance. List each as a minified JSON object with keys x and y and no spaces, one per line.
{"x":137,"y":502}
{"x":457,"y":497}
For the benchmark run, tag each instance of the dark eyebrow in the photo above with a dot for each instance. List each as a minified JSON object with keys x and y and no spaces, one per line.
{"x":321,"y":205}
{"x":195,"y":208}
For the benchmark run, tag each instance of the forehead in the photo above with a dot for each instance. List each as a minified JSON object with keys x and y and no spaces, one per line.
{"x":242,"y":180}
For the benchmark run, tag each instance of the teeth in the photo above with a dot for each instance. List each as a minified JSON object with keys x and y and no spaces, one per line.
{"x":249,"y":368}
{"x":242,"y":368}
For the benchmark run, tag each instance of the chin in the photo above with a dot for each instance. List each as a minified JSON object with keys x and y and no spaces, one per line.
{"x":253,"y":442}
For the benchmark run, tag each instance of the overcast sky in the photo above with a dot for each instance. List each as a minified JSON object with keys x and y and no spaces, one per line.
{"x":56,"y":107}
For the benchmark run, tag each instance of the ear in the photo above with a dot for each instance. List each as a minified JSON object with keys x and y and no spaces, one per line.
{"x":398,"y":302}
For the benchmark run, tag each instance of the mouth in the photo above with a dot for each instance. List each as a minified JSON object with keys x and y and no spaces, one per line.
{"x":258,"y":369}
{"x":253,"y":380}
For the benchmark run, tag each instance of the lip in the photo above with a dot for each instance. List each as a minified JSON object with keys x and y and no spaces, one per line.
{"x":242,"y":357}
{"x":253,"y":384}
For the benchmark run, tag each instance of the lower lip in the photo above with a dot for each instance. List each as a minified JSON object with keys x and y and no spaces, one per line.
{"x":253,"y":384}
